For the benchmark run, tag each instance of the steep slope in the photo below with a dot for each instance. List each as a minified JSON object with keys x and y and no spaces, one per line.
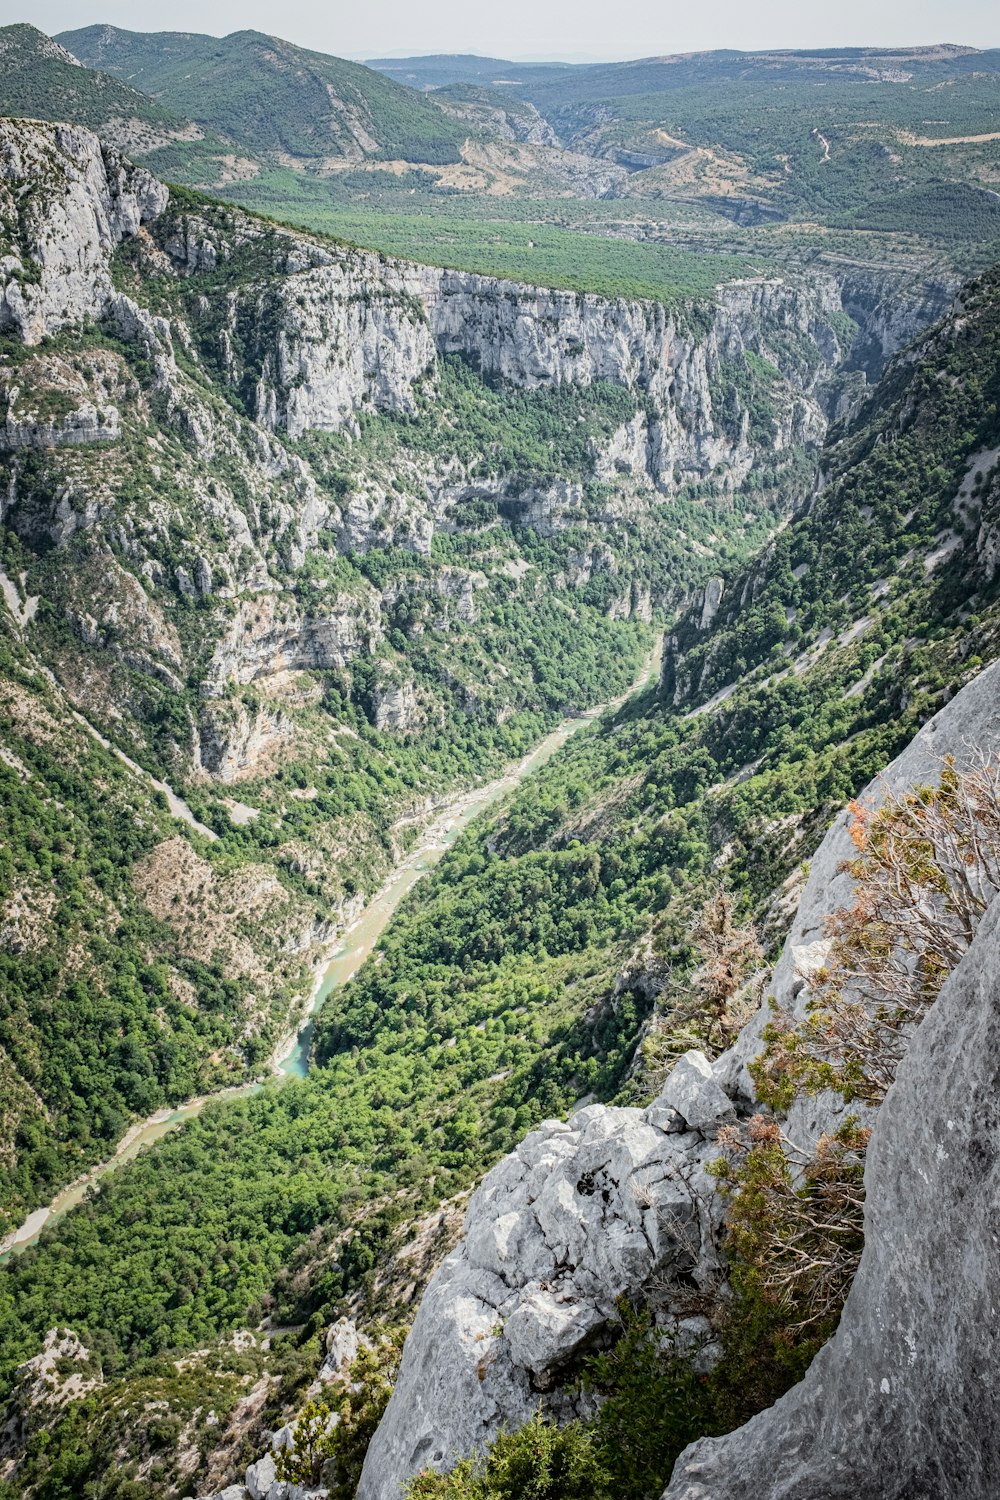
{"x":269,"y":96}
{"x":621,"y":1202}
{"x":548,"y":957}
{"x":902,"y":1401}
{"x":339,"y":533}
{"x":45,"y":82}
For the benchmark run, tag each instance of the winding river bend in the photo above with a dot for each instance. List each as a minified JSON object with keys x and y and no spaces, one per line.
{"x":357,"y":943}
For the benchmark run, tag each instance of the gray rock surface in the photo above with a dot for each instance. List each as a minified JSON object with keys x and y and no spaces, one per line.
{"x":579,"y":1214}
{"x":903,"y":1402}
{"x":965,"y":727}
{"x":86,"y":200}
{"x":584,"y":1211}
{"x":692,"y":1091}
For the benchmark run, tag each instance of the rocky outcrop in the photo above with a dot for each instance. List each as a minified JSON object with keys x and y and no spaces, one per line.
{"x":967,"y":727}
{"x":395,"y":707}
{"x":85,"y":200}
{"x":270,"y":634}
{"x":580,"y":1214}
{"x":235,"y":742}
{"x":587,"y":1210}
{"x":332,"y":339}
{"x":261,"y":1482}
{"x":903,"y":1401}
{"x":87,"y":424}
{"x":890,"y":311}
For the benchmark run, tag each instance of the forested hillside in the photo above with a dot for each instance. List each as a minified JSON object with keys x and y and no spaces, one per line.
{"x":267,"y":95}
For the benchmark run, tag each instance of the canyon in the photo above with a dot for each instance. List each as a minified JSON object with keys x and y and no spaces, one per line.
{"x":315,"y":560}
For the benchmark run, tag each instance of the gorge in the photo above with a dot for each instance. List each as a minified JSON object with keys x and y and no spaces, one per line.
{"x":543,"y":655}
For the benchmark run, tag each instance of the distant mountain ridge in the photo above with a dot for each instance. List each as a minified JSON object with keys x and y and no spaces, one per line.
{"x":270,"y":96}
{"x":41,"y":78}
{"x":440,"y":69}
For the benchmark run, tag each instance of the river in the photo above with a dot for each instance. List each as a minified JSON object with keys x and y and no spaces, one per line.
{"x":357,"y":943}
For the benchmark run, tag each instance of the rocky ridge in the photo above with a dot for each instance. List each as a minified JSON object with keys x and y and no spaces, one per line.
{"x":618,"y":1200}
{"x":902,"y":1401}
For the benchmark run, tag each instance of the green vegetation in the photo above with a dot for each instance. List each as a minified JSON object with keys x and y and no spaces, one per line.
{"x":267,"y":95}
{"x":492,"y":428}
{"x":102,"y":1015}
{"x":488,"y":1004}
{"x":538,"y":253}
{"x":538,"y":1462}
{"x":331,"y":1437}
{"x":40,"y":83}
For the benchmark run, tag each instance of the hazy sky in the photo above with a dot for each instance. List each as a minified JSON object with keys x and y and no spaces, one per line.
{"x":575,"y":29}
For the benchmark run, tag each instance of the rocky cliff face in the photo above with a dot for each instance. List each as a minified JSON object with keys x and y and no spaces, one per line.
{"x":82,"y":201}
{"x":582,"y":1213}
{"x":902,"y":1402}
{"x":359,"y":333}
{"x":255,"y":339}
{"x":619,"y":1201}
{"x":327,"y":333}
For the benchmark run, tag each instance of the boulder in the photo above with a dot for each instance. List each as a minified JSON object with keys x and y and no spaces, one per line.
{"x":692,"y":1091}
{"x":578,"y":1215}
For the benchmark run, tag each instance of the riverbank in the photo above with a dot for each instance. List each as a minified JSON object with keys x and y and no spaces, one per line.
{"x":343,"y":957}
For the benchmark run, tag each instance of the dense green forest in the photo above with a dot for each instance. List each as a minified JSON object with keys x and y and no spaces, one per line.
{"x":42,"y":83}
{"x":540,"y":253}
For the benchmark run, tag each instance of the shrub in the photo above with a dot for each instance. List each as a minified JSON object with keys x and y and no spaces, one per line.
{"x":332,"y":1436}
{"x":538,"y":1462}
{"x":928,"y":866}
{"x":795,"y":1219}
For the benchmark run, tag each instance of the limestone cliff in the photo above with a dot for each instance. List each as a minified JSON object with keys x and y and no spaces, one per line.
{"x":619,"y":1201}
{"x":57,"y":238}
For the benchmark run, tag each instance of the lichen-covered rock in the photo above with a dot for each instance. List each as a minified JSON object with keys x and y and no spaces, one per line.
{"x":903,"y":1402}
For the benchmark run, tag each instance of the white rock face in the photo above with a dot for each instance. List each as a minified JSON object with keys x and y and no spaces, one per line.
{"x":87,"y":199}
{"x":581,"y":1213}
{"x":396,"y":709}
{"x":903,"y":1401}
